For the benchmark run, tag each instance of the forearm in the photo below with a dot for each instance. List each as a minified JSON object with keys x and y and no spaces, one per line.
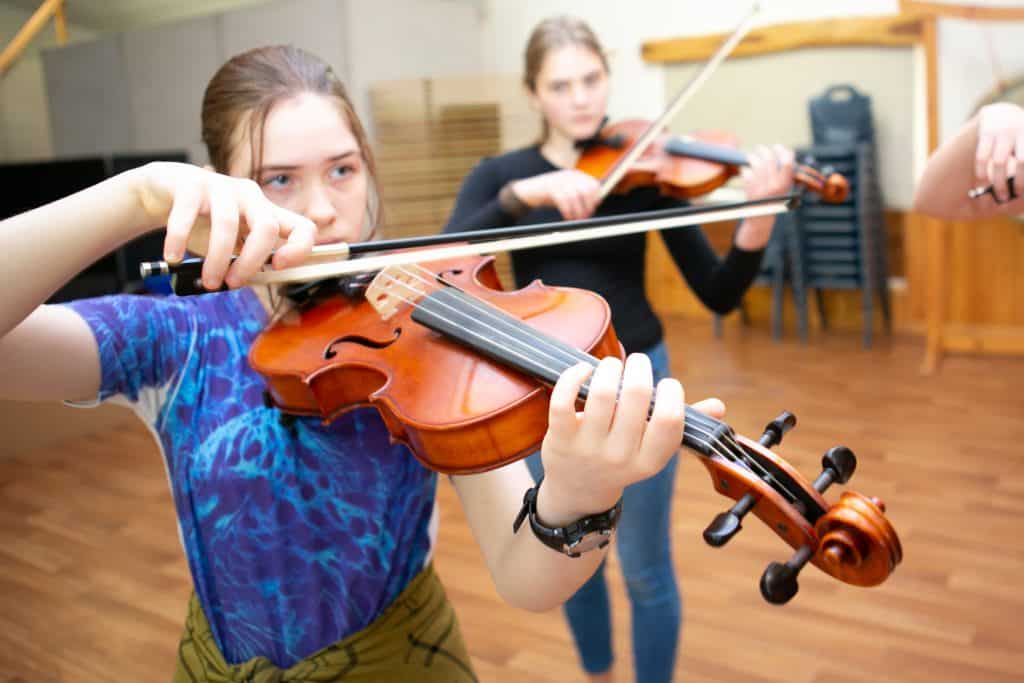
{"x":527,"y":573}
{"x":948,"y":175}
{"x":718,"y":283}
{"x":488,"y":214}
{"x":42,"y":249}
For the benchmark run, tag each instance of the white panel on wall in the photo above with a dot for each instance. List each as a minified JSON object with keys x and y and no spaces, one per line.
{"x":166,"y":70}
{"x":390,"y":40}
{"x":314,"y":25}
{"x":89,"y":105}
{"x":973,"y":56}
{"x":765,"y":100}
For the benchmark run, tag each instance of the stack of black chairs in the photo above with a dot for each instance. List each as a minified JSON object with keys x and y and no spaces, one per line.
{"x":823,"y":246}
{"x":842,"y":246}
{"x":29,"y":185}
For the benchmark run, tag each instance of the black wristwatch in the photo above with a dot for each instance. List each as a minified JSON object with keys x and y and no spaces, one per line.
{"x":583,"y":535}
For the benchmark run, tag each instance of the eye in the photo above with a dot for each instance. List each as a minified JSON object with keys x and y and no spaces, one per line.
{"x":277,"y":182}
{"x":559,"y":87}
{"x":342,"y":171}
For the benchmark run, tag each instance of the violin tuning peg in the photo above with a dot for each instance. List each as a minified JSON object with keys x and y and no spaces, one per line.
{"x":777,"y":428}
{"x":778,"y":583}
{"x":837,"y":465}
{"x":727,"y":524}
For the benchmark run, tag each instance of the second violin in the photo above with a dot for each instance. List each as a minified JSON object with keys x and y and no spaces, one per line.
{"x":687,"y":167}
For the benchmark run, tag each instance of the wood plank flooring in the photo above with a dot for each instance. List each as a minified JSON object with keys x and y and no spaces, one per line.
{"x":93,"y":583}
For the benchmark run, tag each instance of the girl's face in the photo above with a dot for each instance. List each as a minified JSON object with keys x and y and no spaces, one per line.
{"x":571,"y":91}
{"x":312,"y":165}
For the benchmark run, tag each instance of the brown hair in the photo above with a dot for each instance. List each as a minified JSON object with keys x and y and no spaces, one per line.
{"x":551,"y":34}
{"x":244,"y":90}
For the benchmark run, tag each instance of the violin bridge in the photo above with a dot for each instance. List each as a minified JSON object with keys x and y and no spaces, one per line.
{"x":393,"y":287}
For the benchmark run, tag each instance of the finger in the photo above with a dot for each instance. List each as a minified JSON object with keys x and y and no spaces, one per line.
{"x":748,"y":178}
{"x":582,"y":202}
{"x":600,"y":406}
{"x":573,"y":203}
{"x":1000,"y":153}
{"x":633,"y":407}
{"x":563,"y":204}
{"x":982,"y":156}
{"x":259,"y":242}
{"x":187,"y":203}
{"x":592,"y":192}
{"x":223,"y":233}
{"x":562,"y":420}
{"x":1011,"y":173}
{"x":301,"y":236}
{"x":711,"y":406}
{"x":664,"y":431}
{"x":785,"y":158}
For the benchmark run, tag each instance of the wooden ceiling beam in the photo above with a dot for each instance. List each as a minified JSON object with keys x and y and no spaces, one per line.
{"x":891,"y":31}
{"x":35,"y":23}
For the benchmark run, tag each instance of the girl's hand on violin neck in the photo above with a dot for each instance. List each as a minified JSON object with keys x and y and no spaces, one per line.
{"x":210,"y":213}
{"x":575,"y":194}
{"x":590,"y":457}
{"x":769,"y":174}
{"x":1000,"y":146}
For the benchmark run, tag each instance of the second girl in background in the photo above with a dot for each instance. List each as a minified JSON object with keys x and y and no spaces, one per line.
{"x":566,"y":76}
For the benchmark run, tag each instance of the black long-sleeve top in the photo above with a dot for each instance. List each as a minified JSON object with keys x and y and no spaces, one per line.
{"x":612,"y":267}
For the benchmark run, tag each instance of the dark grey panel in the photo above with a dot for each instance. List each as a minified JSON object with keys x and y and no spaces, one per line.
{"x":314,"y":25}
{"x":167,"y":69}
{"x":89,"y":104}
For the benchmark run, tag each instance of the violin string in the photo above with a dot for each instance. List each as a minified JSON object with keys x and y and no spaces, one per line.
{"x":733,"y":451}
{"x":695,"y":419}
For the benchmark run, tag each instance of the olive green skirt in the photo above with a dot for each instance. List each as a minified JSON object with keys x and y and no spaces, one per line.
{"x":416,"y":639}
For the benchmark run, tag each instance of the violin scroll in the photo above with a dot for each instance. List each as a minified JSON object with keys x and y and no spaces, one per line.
{"x":851,"y":540}
{"x":833,"y":187}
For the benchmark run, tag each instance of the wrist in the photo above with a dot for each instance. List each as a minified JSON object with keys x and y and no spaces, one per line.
{"x":511,"y":202}
{"x":151,"y":203}
{"x":753,"y":233}
{"x":559,"y":506}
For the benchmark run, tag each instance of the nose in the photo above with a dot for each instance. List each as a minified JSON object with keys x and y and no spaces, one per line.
{"x":319,"y":207}
{"x":580,"y":95}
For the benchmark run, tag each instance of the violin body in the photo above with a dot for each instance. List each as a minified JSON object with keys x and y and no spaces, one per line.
{"x":457,"y":411}
{"x":686,"y":167}
{"x":675,"y":176}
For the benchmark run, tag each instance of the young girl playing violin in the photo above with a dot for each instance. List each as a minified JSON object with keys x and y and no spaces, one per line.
{"x":986,"y":152}
{"x":309,"y":545}
{"x":566,"y":77}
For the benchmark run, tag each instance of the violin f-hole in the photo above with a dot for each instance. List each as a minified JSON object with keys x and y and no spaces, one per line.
{"x":330,"y":353}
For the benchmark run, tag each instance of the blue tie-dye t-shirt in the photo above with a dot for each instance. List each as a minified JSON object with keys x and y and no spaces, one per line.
{"x":295,"y":537}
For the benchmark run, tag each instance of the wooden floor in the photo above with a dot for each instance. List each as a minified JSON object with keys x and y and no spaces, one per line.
{"x":92,"y":578}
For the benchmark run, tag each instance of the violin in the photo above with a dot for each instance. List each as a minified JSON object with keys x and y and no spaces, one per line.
{"x":461,"y":371}
{"x":687,"y":167}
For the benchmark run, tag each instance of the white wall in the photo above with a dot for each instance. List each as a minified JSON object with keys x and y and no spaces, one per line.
{"x":638,"y":88}
{"x":966,"y":65}
{"x":24,"y":113}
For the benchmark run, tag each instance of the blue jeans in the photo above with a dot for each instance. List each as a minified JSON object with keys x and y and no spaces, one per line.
{"x":645,"y":551}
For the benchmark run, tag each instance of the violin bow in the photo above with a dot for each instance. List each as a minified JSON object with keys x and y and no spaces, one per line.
{"x":615,"y":174}
{"x":451,"y":245}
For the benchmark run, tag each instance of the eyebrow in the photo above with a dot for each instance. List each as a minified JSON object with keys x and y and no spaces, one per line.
{"x":586,"y":77}
{"x":292,"y":167}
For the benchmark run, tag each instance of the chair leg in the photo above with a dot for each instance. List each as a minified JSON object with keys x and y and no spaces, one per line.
{"x":778,"y":286}
{"x":867,"y":301}
{"x":819,"y":297}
